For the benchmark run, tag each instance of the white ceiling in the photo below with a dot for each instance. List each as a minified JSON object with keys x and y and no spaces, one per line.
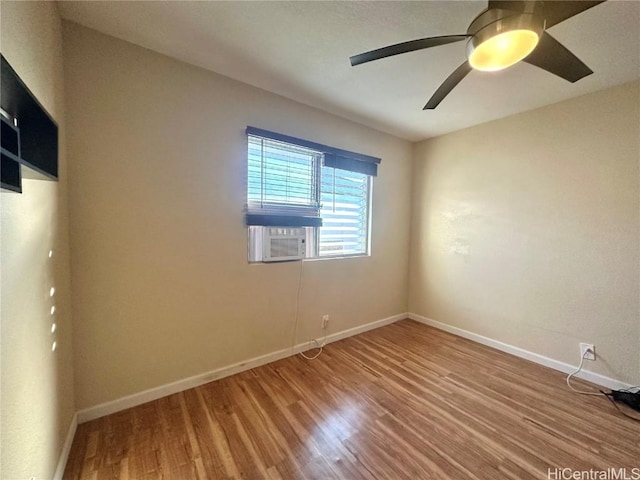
{"x":301,"y":49}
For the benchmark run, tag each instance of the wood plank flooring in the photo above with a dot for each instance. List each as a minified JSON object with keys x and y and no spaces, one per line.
{"x":405,"y":401}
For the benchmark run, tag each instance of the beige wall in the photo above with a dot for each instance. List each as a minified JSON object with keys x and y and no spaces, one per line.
{"x":526,"y":230}
{"x":162,"y":287}
{"x":37,"y":384}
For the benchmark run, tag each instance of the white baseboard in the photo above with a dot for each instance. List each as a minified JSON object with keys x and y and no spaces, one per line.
{"x":592,"y":377}
{"x":334,"y":337}
{"x":145,"y":396}
{"x":66,"y":448}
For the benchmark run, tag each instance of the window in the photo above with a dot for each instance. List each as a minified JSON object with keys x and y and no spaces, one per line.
{"x":344,"y":200}
{"x":318,"y":194}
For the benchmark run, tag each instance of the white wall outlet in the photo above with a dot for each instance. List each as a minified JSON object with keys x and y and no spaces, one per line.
{"x":587,"y":351}
{"x":325,"y":321}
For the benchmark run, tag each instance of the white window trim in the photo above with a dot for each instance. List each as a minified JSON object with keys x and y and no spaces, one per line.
{"x":313,"y":243}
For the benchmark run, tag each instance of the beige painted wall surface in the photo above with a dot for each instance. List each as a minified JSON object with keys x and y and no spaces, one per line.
{"x":526,"y":230}
{"x":162,"y":287}
{"x":37,"y":384}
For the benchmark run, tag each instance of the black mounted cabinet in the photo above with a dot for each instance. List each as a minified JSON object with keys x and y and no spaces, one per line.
{"x":29,"y":136}
{"x":10,"y":151}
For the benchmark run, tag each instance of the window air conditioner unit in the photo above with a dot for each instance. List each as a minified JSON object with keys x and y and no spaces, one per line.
{"x":281,"y":244}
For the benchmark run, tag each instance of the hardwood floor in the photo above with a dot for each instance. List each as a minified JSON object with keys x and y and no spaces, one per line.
{"x":404,"y":401}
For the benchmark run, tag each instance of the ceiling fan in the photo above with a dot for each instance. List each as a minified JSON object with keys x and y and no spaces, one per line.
{"x":505,"y":33}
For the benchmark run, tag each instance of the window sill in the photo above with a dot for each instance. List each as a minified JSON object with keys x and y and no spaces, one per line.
{"x":315,"y":259}
{"x":337,"y":257}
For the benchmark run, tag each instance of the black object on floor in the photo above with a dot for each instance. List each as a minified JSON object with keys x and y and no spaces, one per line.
{"x":630,"y":398}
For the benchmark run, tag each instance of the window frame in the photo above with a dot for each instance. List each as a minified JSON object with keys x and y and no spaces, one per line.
{"x":367,"y":240}
{"x":369,"y":170}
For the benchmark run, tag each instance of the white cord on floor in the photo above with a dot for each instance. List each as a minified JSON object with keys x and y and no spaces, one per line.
{"x":575,"y":373}
{"x":320,"y":346}
{"x":295,"y":327}
{"x":608,"y":396}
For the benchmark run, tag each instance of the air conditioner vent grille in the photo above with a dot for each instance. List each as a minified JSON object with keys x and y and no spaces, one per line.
{"x":282,"y":244}
{"x":284,"y":247}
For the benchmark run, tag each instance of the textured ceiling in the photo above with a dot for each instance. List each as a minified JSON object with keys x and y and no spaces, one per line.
{"x":301,"y":49}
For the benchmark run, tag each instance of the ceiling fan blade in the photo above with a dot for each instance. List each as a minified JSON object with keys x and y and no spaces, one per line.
{"x":404,"y":48}
{"x":448,"y":85}
{"x":559,"y":10}
{"x":552,"y":56}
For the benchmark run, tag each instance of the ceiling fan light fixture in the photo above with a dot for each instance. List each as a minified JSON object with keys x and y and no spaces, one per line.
{"x":504,"y":43}
{"x":503,"y":50}
{"x":506,"y":32}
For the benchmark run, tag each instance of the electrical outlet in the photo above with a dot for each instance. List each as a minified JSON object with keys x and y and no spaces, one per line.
{"x":587,"y":351}
{"x":325,"y":321}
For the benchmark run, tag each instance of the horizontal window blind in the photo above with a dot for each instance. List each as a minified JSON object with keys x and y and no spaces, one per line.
{"x":295,"y":182}
{"x":334,"y":157}
{"x":281,"y":181}
{"x":351,"y":164}
{"x":344,"y":212}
